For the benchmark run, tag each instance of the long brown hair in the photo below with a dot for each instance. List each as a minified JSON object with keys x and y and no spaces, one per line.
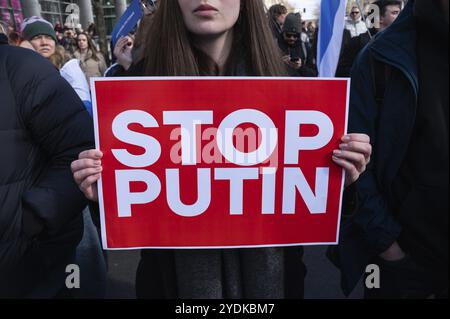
{"x":60,"y":57}
{"x":91,"y":46}
{"x":169,"y":50}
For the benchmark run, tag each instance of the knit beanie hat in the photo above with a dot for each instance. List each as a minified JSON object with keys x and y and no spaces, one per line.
{"x":293,"y":23}
{"x":35,"y":26}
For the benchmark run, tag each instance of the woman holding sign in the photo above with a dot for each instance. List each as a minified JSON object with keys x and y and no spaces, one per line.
{"x":227,"y":38}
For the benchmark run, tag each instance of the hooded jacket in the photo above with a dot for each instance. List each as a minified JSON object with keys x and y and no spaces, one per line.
{"x":390,"y":123}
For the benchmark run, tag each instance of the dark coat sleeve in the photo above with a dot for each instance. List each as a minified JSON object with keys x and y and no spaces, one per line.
{"x":373,"y":218}
{"x":61,"y":127}
{"x":309,"y":69}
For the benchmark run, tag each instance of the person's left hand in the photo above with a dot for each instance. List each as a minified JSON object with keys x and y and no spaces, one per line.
{"x":353,"y":155}
{"x":295,"y":65}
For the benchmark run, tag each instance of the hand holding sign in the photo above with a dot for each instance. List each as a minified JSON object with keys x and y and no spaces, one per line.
{"x":353,"y":156}
{"x":209,"y":158}
{"x":87,"y":171}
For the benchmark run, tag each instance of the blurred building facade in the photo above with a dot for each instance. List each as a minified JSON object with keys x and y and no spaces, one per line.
{"x":72,"y":12}
{"x":59,"y":11}
{"x":11,"y":12}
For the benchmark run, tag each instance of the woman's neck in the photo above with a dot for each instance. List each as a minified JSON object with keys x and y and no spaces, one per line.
{"x":218,"y":47}
{"x":84,"y":51}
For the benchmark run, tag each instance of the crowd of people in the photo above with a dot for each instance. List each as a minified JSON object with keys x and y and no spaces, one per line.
{"x":397,"y":210}
{"x":296,"y":39}
{"x":61,"y":45}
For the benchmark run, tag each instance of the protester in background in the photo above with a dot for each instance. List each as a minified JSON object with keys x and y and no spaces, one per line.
{"x":59,"y":28}
{"x":399,"y":97}
{"x":92,"y":30}
{"x":41,"y":35}
{"x":298,"y":55}
{"x":43,"y":127}
{"x":14,"y":39}
{"x":389,"y":12}
{"x":235,"y":40}
{"x":277,"y":16}
{"x":304,"y":37}
{"x":311,"y":31}
{"x":69,"y":41}
{"x":355,"y":37}
{"x":71,"y":71}
{"x":355,"y":23}
{"x":351,"y":46}
{"x":43,"y":40}
{"x":92,"y":61}
{"x":79,"y":29}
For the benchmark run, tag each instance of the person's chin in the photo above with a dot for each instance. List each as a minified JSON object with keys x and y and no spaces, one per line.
{"x":46,"y":54}
{"x":209,"y":30}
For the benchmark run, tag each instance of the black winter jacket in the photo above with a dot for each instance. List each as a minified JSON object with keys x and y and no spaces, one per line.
{"x":389,"y":122}
{"x":43,"y":128}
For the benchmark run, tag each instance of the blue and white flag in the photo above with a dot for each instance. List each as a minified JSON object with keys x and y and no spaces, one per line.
{"x":127,"y":21}
{"x":331,"y":31}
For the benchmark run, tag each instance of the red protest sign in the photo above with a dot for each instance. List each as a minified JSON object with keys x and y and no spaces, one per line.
{"x":219,"y":162}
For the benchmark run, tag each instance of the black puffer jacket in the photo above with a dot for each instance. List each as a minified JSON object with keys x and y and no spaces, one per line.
{"x":43,"y":128}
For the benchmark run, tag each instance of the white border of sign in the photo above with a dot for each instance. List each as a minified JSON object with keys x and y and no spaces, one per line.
{"x":171,"y":78}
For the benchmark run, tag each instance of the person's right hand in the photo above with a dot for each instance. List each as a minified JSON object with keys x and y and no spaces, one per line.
{"x":122,"y":51}
{"x":87,"y":171}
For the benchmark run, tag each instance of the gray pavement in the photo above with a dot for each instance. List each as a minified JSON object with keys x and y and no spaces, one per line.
{"x":322,"y":280}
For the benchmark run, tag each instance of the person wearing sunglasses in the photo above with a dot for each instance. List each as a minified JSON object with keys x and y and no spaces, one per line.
{"x":277,"y":15}
{"x":297,"y":54}
{"x":355,"y":23}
